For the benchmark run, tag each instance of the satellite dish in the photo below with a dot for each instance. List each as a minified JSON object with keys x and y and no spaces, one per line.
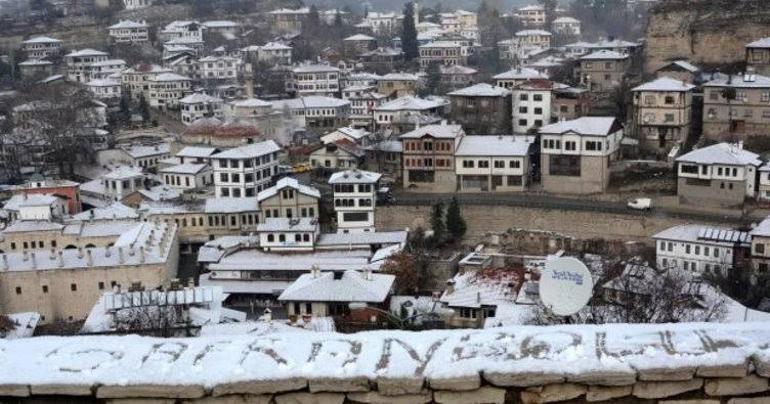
{"x":565,"y":286}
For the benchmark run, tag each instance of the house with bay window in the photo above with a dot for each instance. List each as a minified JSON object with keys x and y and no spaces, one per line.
{"x":428,"y":157}
{"x":492,"y":163}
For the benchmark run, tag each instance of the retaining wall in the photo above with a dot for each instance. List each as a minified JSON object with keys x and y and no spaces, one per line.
{"x":691,"y":363}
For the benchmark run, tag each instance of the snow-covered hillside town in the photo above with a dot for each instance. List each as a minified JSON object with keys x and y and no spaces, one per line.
{"x":288,"y":201}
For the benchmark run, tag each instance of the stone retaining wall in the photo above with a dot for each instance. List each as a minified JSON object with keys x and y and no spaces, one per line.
{"x":673,"y":364}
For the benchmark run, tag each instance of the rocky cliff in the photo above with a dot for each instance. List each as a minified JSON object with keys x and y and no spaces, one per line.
{"x":704,"y":31}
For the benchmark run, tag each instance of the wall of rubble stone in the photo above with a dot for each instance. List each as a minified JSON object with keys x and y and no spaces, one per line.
{"x":674,"y":364}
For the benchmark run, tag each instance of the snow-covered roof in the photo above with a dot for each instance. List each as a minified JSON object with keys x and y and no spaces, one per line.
{"x":42,"y":39}
{"x":352,"y":286}
{"x":354,"y":177}
{"x":345,"y":240}
{"x":123,"y":172}
{"x":498,"y":146}
{"x":318,"y":101}
{"x":760,"y":43}
{"x":34,"y":199}
{"x":359,"y":37}
{"x":533,"y":32}
{"x":314,"y":68}
{"x":102,"y":83}
{"x":197,"y":151}
{"x":186,"y":168}
{"x":140,"y":151}
{"x":590,"y":126}
{"x":683,"y":64}
{"x":410,"y":103}
{"x":169,"y":77}
{"x":112,"y":212}
{"x":275,"y":46}
{"x":444,"y":131}
{"x":249,"y":151}
{"x":604,"y":55}
{"x":35,"y":62}
{"x":200,"y":98}
{"x":523,"y":73}
{"x":251,"y":103}
{"x":24,"y":226}
{"x":666,"y":84}
{"x":231,"y":205}
{"x":740,"y":81}
{"x":86,"y":52}
{"x":566,"y":20}
{"x":128,"y":24}
{"x":481,"y":90}
{"x":704,"y":234}
{"x":220,"y":24}
{"x":486,"y":287}
{"x":285,"y":224}
{"x":721,"y":153}
{"x":399,"y":77}
{"x":762,"y":229}
{"x":457,"y":69}
{"x":288,"y":182}
{"x":254,"y":259}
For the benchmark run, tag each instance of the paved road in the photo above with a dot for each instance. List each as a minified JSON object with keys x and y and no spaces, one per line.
{"x":543,"y":201}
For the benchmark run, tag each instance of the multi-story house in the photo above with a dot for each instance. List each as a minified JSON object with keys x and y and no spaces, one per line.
{"x":569,"y":103}
{"x":758,"y":56}
{"x":662,"y":113}
{"x":104,"y":69}
{"x":227,"y":29}
{"x":34,"y":68}
{"x":41,"y":46}
{"x":456,"y":77}
{"x":363,"y":101}
{"x":136,"y":80}
{"x":80,"y":64}
{"x":460,"y":22}
{"x":530,"y":39}
{"x":219,"y":68}
{"x":358,"y":44}
{"x":286,"y":20}
{"x":681,"y":70}
{"x":107,"y":90}
{"x":532,"y":15}
{"x":127,"y":31}
{"x":256,"y":112}
{"x":182,"y":30}
{"x":166,"y":89}
{"x":186,"y":176}
{"x":314,"y":79}
{"x":736,"y":106}
{"x":137,"y":4}
{"x":763,"y":189}
{"x":290,"y":199}
{"x":482,"y":109}
{"x":532,"y":104}
{"x":398,"y":84}
{"x":245,"y":170}
{"x":760,"y":247}
{"x":275,"y":53}
{"x":492,"y":164}
{"x":718,"y":175}
{"x":381,"y":60}
{"x":516,"y":76}
{"x":317,"y":112}
{"x":447,"y":53}
{"x":576,"y":156}
{"x":381,"y":23}
{"x":701,"y":249}
{"x":428,"y":157}
{"x":355,"y":199}
{"x":603,"y":70}
{"x":405,"y":110}
{"x":567,"y":26}
{"x":198,"y":106}
{"x":340,"y":155}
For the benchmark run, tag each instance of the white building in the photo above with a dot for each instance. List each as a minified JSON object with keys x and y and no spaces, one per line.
{"x":275,"y":53}
{"x":382,"y":23}
{"x":137,"y":4}
{"x":360,"y":137}
{"x":228,"y":29}
{"x":107,"y":69}
{"x":182,"y":30}
{"x":568,"y":26}
{"x":80,"y":64}
{"x":492,"y":163}
{"x":41,"y":46}
{"x":115,"y":185}
{"x":698,"y":248}
{"x":128,"y":31}
{"x":137,"y":79}
{"x":105,"y":89}
{"x":166,"y":89}
{"x":245,"y":170}
{"x":288,"y":234}
{"x":219,"y":68}
{"x":314,"y":79}
{"x":187,"y":176}
{"x":514,"y":77}
{"x":355,"y":199}
{"x":532,"y":15}
{"x":403,"y":108}
{"x":35,"y":207}
{"x":198,"y":105}
{"x":532,"y":101}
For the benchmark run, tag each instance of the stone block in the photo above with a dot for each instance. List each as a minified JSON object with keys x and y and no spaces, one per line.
{"x":734,"y":370}
{"x":553,"y":393}
{"x":232,"y":399}
{"x":653,"y":390}
{"x":150,"y":391}
{"x":604,"y":378}
{"x":693,"y":401}
{"x":762,"y":366}
{"x":523,"y":379}
{"x":61,"y":390}
{"x":605,"y":393}
{"x":753,"y":400}
{"x":310,"y":398}
{"x":14,"y":390}
{"x":666,"y":374}
{"x":259,"y":387}
{"x":140,"y":401}
{"x":456,"y":383}
{"x":339,"y":385}
{"x":736,"y":387}
{"x":399,"y":387}
{"x":484,"y":395}
{"x":373,"y":397}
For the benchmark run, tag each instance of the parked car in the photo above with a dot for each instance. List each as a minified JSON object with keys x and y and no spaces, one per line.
{"x":640,"y":204}
{"x":301,"y":168}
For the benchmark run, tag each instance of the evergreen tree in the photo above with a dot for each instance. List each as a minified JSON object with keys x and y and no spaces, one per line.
{"x":409,"y":34}
{"x":125,"y":109}
{"x":437,"y":223}
{"x":550,"y":13}
{"x":144,"y":108}
{"x":433,"y":79}
{"x":455,"y":223}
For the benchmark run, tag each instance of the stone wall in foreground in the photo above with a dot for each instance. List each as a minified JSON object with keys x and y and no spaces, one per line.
{"x":674,"y":364}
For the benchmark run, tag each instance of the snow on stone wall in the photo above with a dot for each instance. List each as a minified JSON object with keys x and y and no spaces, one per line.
{"x":647,"y":361}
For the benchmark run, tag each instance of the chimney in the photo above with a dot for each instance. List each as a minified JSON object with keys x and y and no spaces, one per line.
{"x":450,"y":287}
{"x":34,"y":263}
{"x":315,"y":271}
{"x":141,"y":255}
{"x":740,"y":145}
{"x":5,"y":261}
{"x":80,"y":252}
{"x":367,"y":274}
{"x":108,"y":252}
{"x":89,"y":258}
{"x":61,"y":258}
{"x":25,"y":256}
{"x":120,"y":255}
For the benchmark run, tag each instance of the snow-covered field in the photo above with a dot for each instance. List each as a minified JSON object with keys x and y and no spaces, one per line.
{"x":212,"y":360}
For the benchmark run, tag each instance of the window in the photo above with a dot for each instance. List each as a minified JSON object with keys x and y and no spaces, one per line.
{"x":308,"y":308}
{"x":514,"y":164}
{"x":697,"y":250}
{"x":468,"y":163}
{"x":759,"y":248}
{"x":101,"y":285}
{"x":483,"y":164}
{"x":74,"y":287}
{"x":18,"y":290}
{"x":45,"y":288}
{"x":282,"y":238}
{"x":570,"y":145}
{"x":270,"y":238}
{"x":537,"y":97}
{"x":499,"y":164}
{"x":687,"y":249}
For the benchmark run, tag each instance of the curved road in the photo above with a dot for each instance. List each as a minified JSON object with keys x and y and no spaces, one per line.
{"x":544,"y":201}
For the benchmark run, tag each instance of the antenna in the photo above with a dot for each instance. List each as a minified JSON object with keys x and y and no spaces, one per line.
{"x":566,"y":286}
